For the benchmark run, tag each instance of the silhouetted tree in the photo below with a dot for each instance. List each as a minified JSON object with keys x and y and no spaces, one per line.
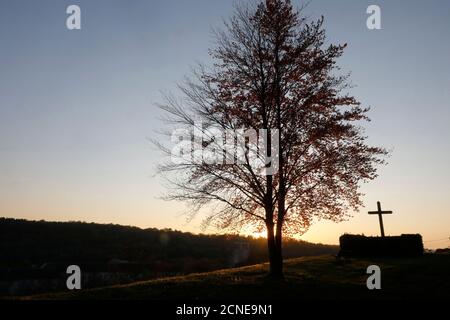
{"x":272,"y":71}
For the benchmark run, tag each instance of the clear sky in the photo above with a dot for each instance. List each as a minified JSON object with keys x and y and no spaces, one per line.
{"x":76,"y":108}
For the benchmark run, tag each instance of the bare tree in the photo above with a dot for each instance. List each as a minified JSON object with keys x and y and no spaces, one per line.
{"x":272,"y":71}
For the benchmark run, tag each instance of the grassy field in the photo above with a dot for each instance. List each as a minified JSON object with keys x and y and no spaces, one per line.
{"x":323,"y":277}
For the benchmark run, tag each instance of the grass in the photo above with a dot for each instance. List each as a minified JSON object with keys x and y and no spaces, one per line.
{"x":323,"y":277}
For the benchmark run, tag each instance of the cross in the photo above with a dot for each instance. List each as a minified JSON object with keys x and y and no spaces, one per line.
{"x":380,"y":216}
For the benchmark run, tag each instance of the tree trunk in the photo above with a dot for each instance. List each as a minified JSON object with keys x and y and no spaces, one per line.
{"x":275,"y":255}
{"x":279,"y":230}
{"x":279,"y":246}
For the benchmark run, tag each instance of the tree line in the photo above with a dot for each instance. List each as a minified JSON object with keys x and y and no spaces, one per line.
{"x":26,"y":244}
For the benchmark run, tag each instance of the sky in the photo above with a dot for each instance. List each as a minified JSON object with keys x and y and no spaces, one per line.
{"x":77,"y":108}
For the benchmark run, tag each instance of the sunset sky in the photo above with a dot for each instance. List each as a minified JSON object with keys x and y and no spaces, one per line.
{"x":77,"y":108}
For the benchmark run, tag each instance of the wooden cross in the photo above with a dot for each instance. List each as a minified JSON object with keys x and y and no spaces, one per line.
{"x":380,"y":213}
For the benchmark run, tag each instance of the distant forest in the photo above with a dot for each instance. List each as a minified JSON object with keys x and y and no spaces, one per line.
{"x":40,"y":249}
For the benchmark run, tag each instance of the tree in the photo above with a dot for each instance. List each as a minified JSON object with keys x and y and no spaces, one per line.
{"x":272,"y":71}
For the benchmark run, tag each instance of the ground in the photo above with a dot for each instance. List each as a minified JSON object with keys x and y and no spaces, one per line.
{"x":324,"y":277}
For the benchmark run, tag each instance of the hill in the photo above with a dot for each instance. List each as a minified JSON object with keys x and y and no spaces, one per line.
{"x":323,"y":277}
{"x":34,"y":255}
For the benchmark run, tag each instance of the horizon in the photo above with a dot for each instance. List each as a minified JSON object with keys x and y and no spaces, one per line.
{"x":77,"y":107}
{"x":254,"y":235}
